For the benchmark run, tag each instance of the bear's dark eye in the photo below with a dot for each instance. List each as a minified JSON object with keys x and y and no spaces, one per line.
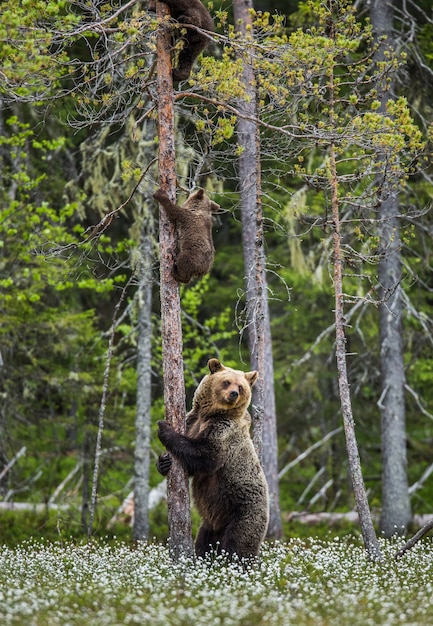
{"x":241,"y":389}
{"x":226,"y":384}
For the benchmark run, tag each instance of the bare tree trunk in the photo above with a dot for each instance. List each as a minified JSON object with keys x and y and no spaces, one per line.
{"x":368,"y":533}
{"x":258,"y":320}
{"x":146,"y":225}
{"x":179,"y":517}
{"x":396,"y":509}
{"x":101,"y":416}
{"x":144,"y":396}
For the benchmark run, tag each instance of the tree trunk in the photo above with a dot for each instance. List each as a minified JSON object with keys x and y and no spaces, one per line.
{"x":146,"y":226}
{"x":85,"y":491}
{"x":257,"y":318}
{"x":142,"y":420}
{"x":396,"y":509}
{"x":101,"y":415}
{"x":368,"y":533}
{"x":179,"y":518}
{"x":366,"y":522}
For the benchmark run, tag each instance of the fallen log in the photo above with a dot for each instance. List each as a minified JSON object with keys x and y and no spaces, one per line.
{"x":306,"y":517}
{"x":35,"y":507}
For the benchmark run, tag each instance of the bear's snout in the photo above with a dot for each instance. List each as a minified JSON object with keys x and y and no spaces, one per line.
{"x":233,"y":395}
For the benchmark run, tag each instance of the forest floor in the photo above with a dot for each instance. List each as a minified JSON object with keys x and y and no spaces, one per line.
{"x":302,"y":581}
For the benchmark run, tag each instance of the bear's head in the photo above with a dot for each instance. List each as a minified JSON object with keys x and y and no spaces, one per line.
{"x":224,"y":389}
{"x":199,"y":202}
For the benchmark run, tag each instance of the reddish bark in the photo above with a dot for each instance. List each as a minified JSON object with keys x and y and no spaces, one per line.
{"x":179,"y":518}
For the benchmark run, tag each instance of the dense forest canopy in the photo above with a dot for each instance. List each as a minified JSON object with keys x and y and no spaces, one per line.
{"x":77,"y":152}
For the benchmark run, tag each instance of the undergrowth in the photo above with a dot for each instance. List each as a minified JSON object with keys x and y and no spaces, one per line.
{"x":302,"y":581}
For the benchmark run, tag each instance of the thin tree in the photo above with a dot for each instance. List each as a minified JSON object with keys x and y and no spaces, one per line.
{"x":396,"y":510}
{"x":257,"y":308}
{"x":179,"y":517}
{"x":335,"y":84}
{"x":144,"y":380}
{"x":101,"y":416}
{"x":368,"y":533}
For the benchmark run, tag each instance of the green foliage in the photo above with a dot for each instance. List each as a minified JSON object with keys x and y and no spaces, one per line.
{"x":425,"y":39}
{"x":203,"y":339}
{"x":317,"y":85}
{"x":52,"y":369}
{"x":31,"y":68}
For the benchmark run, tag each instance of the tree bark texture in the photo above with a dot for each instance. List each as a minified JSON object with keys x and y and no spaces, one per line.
{"x":396,"y":508}
{"x":368,"y":533}
{"x":144,"y":396}
{"x":257,"y":309}
{"x":179,"y":517}
{"x":145,"y":222}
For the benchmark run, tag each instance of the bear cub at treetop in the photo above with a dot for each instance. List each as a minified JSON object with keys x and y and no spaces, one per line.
{"x":189,"y":12}
{"x":193,"y":223}
{"x":228,"y":484}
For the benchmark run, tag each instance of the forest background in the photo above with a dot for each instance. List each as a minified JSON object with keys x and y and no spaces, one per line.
{"x":77,"y":148}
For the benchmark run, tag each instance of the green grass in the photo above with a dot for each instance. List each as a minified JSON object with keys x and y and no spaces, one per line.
{"x":303,"y":582}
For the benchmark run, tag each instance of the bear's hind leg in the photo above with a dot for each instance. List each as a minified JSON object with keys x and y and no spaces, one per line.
{"x":238,"y":540}
{"x":207,"y":540}
{"x":180,"y":274}
{"x":184,"y":268}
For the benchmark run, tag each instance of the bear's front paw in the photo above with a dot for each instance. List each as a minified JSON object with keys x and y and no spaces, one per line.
{"x":165,"y":430}
{"x":164,"y":463}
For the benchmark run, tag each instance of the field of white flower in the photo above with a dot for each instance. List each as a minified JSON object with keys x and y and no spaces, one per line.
{"x":300,"y":582}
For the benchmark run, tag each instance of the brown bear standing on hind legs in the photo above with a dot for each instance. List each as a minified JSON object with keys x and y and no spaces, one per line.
{"x":193,"y":222}
{"x":228,"y":483}
{"x":189,"y":12}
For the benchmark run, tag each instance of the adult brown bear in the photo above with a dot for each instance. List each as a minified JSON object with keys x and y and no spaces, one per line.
{"x":228,"y":483}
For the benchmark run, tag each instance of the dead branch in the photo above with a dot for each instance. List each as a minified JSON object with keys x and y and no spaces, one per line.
{"x":419,"y":535}
{"x":306,"y":452}
{"x":12,"y":462}
{"x":419,"y":483}
{"x":94,"y":232}
{"x":64,"y":482}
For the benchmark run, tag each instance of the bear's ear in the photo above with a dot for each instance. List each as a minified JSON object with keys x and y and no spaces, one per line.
{"x":251,"y":377}
{"x":215,"y":366}
{"x":214,"y":207}
{"x":199,"y":194}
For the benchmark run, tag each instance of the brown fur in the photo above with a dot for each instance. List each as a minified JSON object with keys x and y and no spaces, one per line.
{"x":228,"y":485}
{"x":193,"y":222}
{"x":195,"y":13}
